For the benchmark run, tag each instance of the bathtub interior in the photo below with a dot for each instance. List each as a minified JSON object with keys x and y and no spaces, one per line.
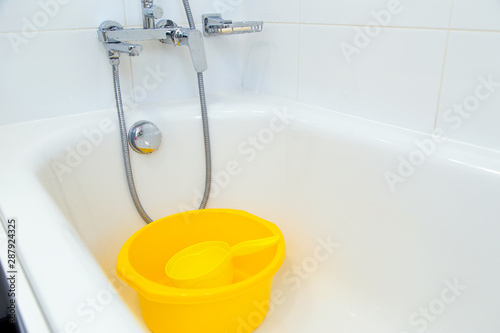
{"x":321,"y":180}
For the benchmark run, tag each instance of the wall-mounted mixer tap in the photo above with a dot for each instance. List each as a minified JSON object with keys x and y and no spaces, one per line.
{"x":144,"y":137}
{"x":117,"y":39}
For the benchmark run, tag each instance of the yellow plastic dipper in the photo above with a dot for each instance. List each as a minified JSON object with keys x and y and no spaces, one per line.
{"x":209,"y":264}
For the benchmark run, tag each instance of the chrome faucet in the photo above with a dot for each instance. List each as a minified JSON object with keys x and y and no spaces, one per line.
{"x":150,"y":12}
{"x":116,"y":39}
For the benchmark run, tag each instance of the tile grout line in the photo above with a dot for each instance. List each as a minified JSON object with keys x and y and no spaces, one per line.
{"x":443,"y":67}
{"x":386,"y":27}
{"x":129,"y":58}
{"x":298,"y":51}
{"x":124,"y":13}
{"x":132,"y":78}
{"x":244,"y":55}
{"x":289,"y":23}
{"x":441,"y":81}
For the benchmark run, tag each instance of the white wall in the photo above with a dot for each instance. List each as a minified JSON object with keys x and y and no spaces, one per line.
{"x":426,"y":58}
{"x":53,"y":65}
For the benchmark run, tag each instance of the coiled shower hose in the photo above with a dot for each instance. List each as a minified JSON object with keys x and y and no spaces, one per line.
{"x":124,"y":139}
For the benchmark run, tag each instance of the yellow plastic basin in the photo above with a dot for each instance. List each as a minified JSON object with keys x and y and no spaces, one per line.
{"x":236,"y":308}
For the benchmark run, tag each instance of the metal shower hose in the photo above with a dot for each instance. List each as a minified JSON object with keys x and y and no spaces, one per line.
{"x":124,"y":139}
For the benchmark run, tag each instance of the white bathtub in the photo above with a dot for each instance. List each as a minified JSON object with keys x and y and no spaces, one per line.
{"x":423,"y":255}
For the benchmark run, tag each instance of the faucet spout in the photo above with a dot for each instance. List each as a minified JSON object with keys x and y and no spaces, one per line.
{"x":130,"y":49}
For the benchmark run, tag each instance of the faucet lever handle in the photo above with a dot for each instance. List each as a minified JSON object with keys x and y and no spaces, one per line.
{"x":197,"y":49}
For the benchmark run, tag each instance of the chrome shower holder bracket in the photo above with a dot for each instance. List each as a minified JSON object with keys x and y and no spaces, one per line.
{"x":215,"y":25}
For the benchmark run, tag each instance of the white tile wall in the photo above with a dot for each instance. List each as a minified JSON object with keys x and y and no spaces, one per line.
{"x":477,"y":14}
{"x":270,"y":61}
{"x":412,"y":59}
{"x":471,"y":56}
{"x":41,"y":15}
{"x":407,"y":13}
{"x":56,"y":74}
{"x":399,"y":75}
{"x":279,"y":11}
{"x":405,"y":74}
{"x":176,"y":75}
